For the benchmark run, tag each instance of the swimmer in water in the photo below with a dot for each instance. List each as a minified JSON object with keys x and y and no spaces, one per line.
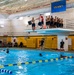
{"x":7,"y":51}
{"x":61,"y":56}
{"x":2,"y":50}
{"x":40,"y":54}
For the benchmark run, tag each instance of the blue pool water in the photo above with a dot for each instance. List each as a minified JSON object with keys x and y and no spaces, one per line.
{"x":60,"y":67}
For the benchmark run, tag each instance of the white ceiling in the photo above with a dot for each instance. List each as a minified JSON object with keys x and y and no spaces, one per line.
{"x":15,"y":6}
{"x":10,"y":9}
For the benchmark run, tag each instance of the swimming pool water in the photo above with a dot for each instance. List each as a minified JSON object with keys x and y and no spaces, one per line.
{"x":60,"y":67}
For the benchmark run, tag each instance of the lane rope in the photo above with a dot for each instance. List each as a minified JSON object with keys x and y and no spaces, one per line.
{"x":34,"y":62}
{"x":5,"y":71}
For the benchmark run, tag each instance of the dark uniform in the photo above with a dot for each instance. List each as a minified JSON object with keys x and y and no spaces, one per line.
{"x":42,"y":42}
{"x":41,"y":45}
{"x":7,"y":51}
{"x":61,"y":44}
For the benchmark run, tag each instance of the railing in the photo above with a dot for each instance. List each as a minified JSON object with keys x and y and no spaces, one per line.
{"x":70,"y":23}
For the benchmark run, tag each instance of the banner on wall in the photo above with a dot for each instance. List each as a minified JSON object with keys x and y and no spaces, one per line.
{"x":58,"y":6}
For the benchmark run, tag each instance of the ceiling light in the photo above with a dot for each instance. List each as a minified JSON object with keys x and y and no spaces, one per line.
{"x":47,"y":14}
{"x":1,"y":21}
{"x":1,"y":26}
{"x":21,"y":18}
{"x":25,"y":0}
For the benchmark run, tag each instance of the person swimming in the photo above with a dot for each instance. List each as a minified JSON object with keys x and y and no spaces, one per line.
{"x":7,"y":51}
{"x":2,"y":50}
{"x":40,"y":54}
{"x":61,"y":56}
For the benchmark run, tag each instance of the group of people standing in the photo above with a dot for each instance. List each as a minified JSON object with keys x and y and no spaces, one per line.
{"x":54,"y":22}
{"x":50,"y":21}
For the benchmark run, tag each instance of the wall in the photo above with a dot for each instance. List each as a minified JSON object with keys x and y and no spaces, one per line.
{"x":72,"y":46}
{"x":6,"y":29}
{"x":49,"y":42}
{"x":17,"y":27}
{"x":21,"y":25}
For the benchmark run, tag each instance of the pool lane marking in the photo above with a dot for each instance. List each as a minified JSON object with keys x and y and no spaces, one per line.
{"x":18,"y":64}
{"x":2,"y":66}
{"x":61,"y":58}
{"x":10,"y":64}
{"x":46,"y":60}
{"x":34,"y":62}
{"x":27,"y":63}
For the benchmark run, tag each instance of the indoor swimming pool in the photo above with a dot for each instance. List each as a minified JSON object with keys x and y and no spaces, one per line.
{"x":28,"y":62}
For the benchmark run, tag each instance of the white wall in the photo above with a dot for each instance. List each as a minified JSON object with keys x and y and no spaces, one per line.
{"x":6,"y":29}
{"x":22,"y":24}
{"x":17,"y":27}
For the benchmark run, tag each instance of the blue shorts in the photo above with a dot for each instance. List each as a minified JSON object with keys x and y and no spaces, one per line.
{"x":33,"y":24}
{"x":40,"y":23}
{"x":48,"y":23}
{"x":51,"y":23}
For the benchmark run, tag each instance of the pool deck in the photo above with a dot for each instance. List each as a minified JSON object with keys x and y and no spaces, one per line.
{"x":40,"y":50}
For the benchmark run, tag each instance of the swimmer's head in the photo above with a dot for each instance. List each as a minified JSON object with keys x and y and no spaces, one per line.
{"x":40,"y":54}
{"x":3,"y":50}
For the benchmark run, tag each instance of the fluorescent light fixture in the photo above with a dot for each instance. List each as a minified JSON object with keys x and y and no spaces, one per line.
{"x":21,"y":18}
{"x":1,"y":26}
{"x":47,"y":14}
{"x":1,"y":21}
{"x":25,"y":0}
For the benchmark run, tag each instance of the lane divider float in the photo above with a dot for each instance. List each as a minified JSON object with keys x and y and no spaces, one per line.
{"x":5,"y":71}
{"x":34,"y":62}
